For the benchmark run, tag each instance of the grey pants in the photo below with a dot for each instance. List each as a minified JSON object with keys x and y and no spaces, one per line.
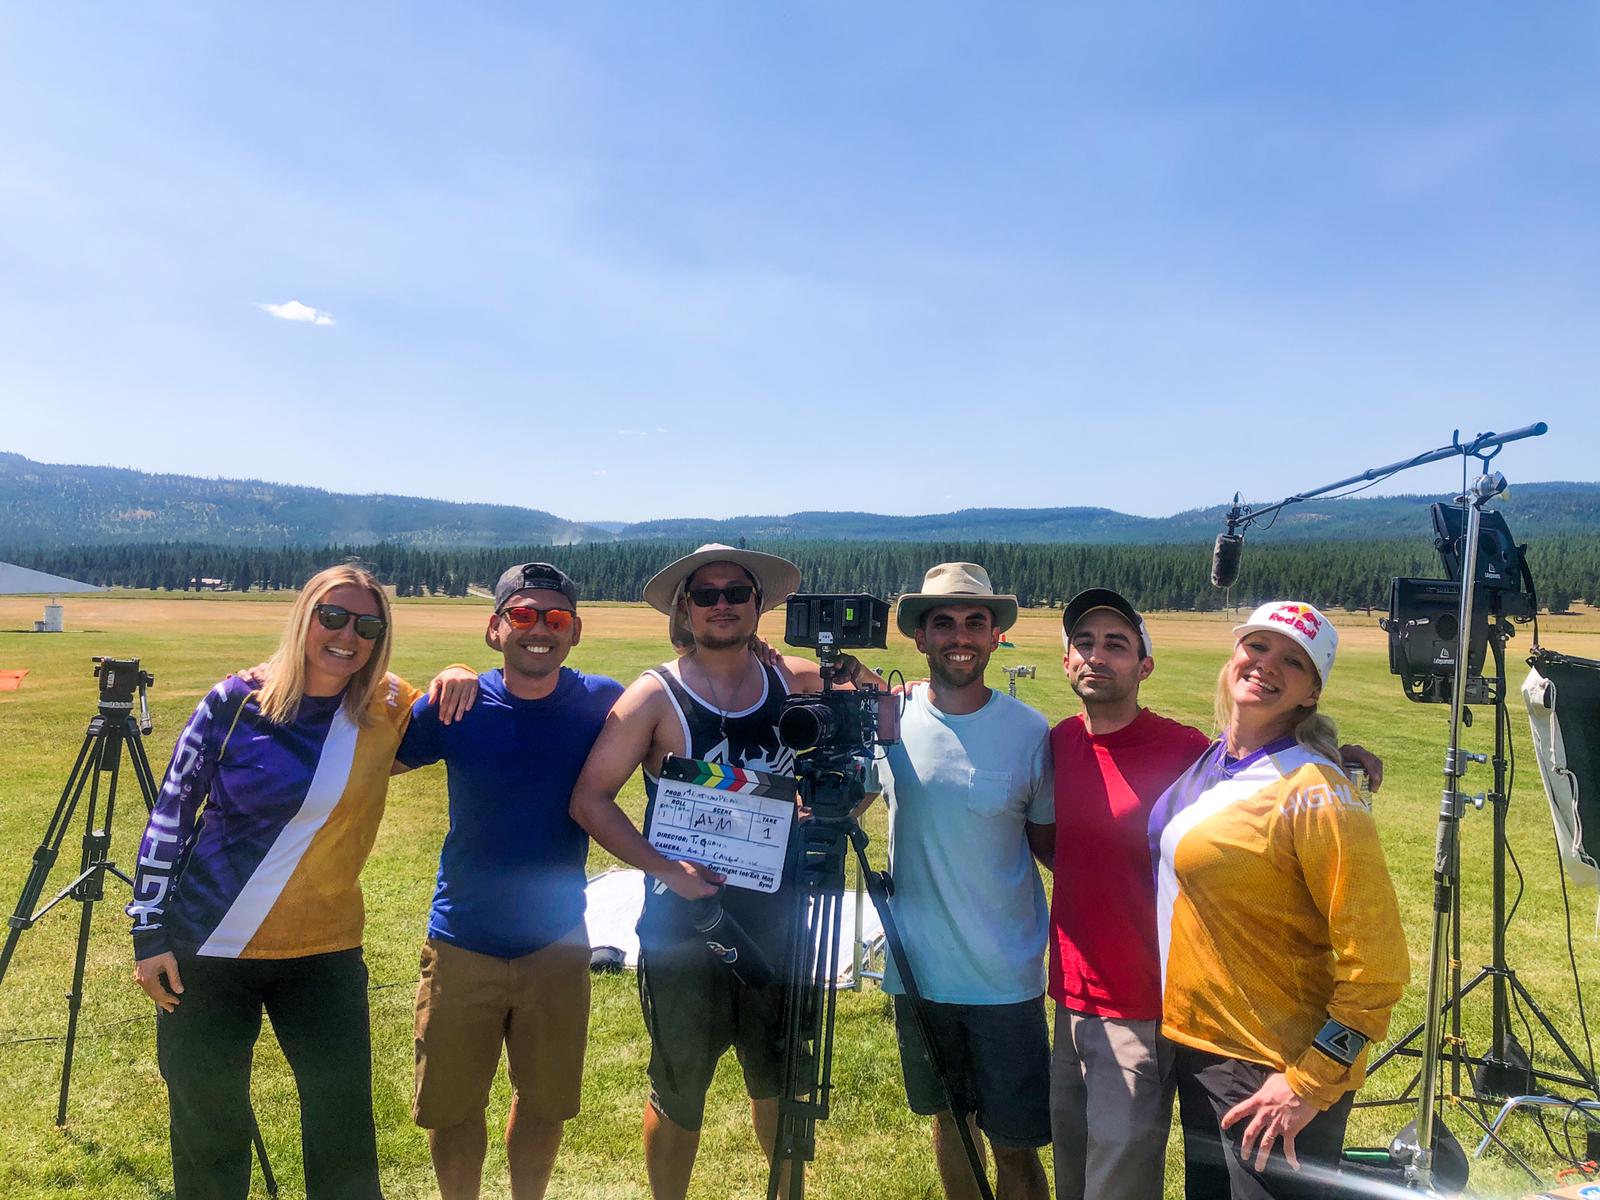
{"x":1110,"y":1107}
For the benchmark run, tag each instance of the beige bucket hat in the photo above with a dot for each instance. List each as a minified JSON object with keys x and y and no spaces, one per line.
{"x":954,"y":583}
{"x":776,"y":577}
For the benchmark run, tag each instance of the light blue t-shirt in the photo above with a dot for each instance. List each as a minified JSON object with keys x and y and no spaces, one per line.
{"x":967,"y":895}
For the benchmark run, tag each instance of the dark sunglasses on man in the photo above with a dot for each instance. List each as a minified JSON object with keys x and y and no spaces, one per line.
{"x":525,"y":616}
{"x":333,"y":616}
{"x":706,"y":597}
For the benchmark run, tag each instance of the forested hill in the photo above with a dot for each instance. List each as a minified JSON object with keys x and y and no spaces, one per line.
{"x":1346,"y":574}
{"x":46,"y":505}
{"x":1547,"y":508}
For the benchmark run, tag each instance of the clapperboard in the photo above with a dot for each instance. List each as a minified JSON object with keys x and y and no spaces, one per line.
{"x":731,"y":819}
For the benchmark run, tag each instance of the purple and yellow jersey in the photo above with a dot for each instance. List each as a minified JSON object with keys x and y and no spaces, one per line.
{"x":260,"y":831}
{"x":1279,"y":930}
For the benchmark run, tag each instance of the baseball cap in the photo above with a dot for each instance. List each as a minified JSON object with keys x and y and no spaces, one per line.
{"x":1300,"y":623}
{"x":532,"y":577}
{"x":1086,"y":601}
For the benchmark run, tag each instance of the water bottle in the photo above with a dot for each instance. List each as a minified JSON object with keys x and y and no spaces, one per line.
{"x":729,"y":944}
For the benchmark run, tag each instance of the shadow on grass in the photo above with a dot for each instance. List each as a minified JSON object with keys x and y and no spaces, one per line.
{"x":112,"y":1162}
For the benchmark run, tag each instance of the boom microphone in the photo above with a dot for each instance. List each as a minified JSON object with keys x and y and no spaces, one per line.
{"x":1225,"y":559}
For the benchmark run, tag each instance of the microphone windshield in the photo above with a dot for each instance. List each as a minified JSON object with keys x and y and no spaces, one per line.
{"x":1225,"y":559}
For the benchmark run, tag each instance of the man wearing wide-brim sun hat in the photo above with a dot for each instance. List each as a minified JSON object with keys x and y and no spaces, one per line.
{"x":943,"y":585}
{"x":717,"y":702}
{"x":773,"y":578}
{"x":970,"y":805}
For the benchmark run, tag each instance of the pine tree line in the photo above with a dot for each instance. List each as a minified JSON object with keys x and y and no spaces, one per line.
{"x":1351,"y":575}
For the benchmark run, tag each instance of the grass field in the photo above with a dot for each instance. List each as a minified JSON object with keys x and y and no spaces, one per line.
{"x":114,"y":1144}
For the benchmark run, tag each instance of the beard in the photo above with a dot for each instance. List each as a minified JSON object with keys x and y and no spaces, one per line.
{"x":720,"y":641}
{"x":946,"y":676}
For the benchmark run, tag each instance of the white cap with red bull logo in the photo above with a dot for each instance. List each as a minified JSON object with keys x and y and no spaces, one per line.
{"x":1303,"y":624}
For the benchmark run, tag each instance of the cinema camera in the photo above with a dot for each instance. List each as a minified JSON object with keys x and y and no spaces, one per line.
{"x":833,"y":732}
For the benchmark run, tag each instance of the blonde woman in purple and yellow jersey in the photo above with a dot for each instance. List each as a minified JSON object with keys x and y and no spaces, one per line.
{"x":247,"y":900}
{"x":1281,"y":946}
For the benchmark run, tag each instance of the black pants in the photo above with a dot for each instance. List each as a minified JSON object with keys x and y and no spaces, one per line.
{"x":1208,"y":1086}
{"x":318,"y":1007}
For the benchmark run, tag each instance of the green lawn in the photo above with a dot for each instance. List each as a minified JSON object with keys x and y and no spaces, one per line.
{"x":114,"y":1144}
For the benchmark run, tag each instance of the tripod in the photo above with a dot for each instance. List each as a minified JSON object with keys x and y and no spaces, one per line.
{"x":114,"y":728}
{"x":828,"y":786}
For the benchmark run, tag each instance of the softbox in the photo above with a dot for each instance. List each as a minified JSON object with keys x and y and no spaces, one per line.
{"x":1563,"y":698}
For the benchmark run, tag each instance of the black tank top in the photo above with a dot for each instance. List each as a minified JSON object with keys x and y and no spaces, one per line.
{"x":742,"y":739}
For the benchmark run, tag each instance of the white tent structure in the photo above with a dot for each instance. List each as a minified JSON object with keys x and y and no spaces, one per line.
{"x":24,"y":581}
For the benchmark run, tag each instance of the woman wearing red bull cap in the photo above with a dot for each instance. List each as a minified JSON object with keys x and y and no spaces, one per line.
{"x":1281,"y":946}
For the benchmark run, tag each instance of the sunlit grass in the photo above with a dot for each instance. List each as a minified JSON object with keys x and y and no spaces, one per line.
{"x":115,"y":1143}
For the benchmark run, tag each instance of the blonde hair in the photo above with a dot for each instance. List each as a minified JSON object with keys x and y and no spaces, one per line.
{"x":1314,"y":730}
{"x":286,"y":669}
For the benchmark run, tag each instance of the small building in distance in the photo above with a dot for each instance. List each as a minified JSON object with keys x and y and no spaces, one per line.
{"x":25,"y":581}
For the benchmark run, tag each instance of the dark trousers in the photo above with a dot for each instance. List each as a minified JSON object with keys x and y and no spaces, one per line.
{"x":318,"y":1008}
{"x":1208,"y":1086}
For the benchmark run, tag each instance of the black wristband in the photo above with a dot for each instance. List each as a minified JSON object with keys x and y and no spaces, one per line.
{"x":1340,"y":1043}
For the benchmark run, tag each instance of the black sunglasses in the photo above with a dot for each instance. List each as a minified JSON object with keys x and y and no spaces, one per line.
{"x":368,"y":628}
{"x":705,"y":597}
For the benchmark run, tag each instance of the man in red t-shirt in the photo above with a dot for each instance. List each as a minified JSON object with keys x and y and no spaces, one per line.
{"x":1110,"y":1072}
{"x":1110,"y":1094}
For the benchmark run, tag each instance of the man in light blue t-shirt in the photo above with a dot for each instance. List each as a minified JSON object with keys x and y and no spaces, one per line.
{"x":970,"y":805}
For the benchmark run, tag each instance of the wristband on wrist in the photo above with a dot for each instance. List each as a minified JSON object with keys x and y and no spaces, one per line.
{"x":1340,"y":1043}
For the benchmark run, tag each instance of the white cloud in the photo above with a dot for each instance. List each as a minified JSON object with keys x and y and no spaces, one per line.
{"x":295,"y":311}
{"x":601,"y":473}
{"x":633,"y":433}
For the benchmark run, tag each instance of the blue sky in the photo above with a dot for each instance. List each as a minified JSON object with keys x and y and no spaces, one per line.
{"x":633,"y":261}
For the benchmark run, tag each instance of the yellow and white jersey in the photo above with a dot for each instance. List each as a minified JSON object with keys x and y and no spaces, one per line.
{"x":257,"y":840}
{"x":1277,"y":918}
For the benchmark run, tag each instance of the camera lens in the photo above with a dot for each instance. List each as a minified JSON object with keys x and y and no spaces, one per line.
{"x":803,"y":727}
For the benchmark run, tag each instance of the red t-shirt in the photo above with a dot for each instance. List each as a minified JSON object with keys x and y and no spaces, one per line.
{"x":1104,"y":958}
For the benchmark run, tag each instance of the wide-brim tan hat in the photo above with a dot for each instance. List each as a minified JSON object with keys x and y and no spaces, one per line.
{"x":954,"y":583}
{"x":777,"y":577}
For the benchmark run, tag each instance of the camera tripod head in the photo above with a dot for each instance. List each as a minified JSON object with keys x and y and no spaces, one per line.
{"x":121,"y":681}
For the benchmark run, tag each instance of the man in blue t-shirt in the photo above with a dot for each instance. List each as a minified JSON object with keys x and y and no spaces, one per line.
{"x":506,"y":961}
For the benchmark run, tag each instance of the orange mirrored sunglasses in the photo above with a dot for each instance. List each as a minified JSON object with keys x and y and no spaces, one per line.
{"x":525,"y":616}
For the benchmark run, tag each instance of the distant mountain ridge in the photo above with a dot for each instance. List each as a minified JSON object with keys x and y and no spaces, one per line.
{"x":47,"y":504}
{"x":1559,"y":507}
{"x":53,"y":505}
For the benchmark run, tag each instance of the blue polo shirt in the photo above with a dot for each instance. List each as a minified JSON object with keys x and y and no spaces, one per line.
{"x":511,"y":875}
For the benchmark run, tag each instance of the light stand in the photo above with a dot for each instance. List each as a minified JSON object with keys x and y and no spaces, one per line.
{"x":1015,"y":673}
{"x":1425,"y":1149}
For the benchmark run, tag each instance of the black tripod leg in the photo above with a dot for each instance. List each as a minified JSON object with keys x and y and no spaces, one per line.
{"x":44,"y":858}
{"x":141,"y":770}
{"x":878,"y":889}
{"x":75,"y":1002}
{"x":794,"y":1142}
{"x":267,"y":1177}
{"x":1586,"y":1077}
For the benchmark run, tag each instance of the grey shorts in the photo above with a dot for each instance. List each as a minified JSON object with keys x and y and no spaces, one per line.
{"x":997,"y":1057}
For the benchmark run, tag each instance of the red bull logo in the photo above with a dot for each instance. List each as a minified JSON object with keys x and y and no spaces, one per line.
{"x":1299,"y":616}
